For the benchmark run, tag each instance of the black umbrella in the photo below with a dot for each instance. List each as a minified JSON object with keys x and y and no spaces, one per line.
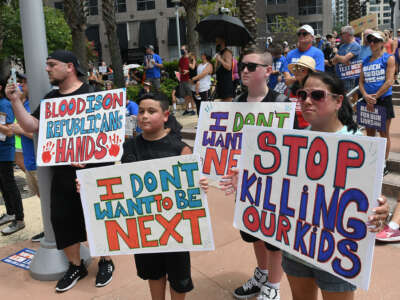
{"x":229,"y":28}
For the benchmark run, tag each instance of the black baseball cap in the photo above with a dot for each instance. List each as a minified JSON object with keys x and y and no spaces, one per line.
{"x":67,"y":57}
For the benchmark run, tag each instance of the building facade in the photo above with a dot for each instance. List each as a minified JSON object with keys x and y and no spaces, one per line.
{"x":384,"y":8}
{"x":317,"y":13}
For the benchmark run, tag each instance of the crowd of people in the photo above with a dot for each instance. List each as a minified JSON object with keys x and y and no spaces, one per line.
{"x":310,"y":75}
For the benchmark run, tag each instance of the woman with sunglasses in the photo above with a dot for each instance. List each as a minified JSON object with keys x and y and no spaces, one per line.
{"x":326,"y":108}
{"x":376,"y":80}
{"x":304,"y":66}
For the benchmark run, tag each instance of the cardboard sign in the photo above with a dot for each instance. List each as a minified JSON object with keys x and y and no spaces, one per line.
{"x":87,"y":128}
{"x":146,"y":207}
{"x":351,"y":71}
{"x":370,"y":21}
{"x":219,"y":130}
{"x":22,"y":259}
{"x":375,"y":119}
{"x":310,"y":194}
{"x":103,"y":69}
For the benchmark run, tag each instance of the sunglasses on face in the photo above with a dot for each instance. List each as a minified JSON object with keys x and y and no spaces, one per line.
{"x":299,"y":69}
{"x":251,"y":67}
{"x":315,"y":95}
{"x":303,"y":33}
{"x":371,"y":39}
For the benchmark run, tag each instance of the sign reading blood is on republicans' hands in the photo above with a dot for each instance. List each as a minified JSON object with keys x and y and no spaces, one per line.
{"x":310,"y":194}
{"x":146,"y":207}
{"x":219,"y":130}
{"x":86,"y":128}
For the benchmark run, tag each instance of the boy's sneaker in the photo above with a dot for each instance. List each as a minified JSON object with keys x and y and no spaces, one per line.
{"x":185,"y":112}
{"x":5,"y":218}
{"x":38,"y":237}
{"x":252,"y":287}
{"x":269,"y":293}
{"x":13,"y":227}
{"x":71,"y":277}
{"x":192,"y":113}
{"x":388,"y":235}
{"x":104,"y":275}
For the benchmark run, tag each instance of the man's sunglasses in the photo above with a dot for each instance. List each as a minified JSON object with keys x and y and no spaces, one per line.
{"x":303,"y":33}
{"x":371,"y":39}
{"x":251,"y":67}
{"x":315,"y":95}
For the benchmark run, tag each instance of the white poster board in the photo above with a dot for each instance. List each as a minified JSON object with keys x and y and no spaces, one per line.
{"x":310,"y":194}
{"x":87,"y":128}
{"x":146,"y":207}
{"x":219,"y":130}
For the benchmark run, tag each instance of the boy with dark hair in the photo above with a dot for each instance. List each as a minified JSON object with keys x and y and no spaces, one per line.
{"x":156,"y":141}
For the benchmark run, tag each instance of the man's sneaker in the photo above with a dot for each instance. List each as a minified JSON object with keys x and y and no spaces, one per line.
{"x":38,"y":237}
{"x":192,"y":113}
{"x":5,"y":218}
{"x":388,"y":235}
{"x":269,"y":293}
{"x":185,"y":112}
{"x":71,"y":277}
{"x":13,"y":227}
{"x":104,"y":275}
{"x":252,"y":287}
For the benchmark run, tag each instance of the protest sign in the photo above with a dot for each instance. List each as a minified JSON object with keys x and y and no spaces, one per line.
{"x":219,"y":130}
{"x":146,"y":207}
{"x":22,"y":259}
{"x":310,"y":194}
{"x":366,"y":22}
{"x":87,"y":128}
{"x":373,"y":119}
{"x":103,"y":69}
{"x":350,"y":71}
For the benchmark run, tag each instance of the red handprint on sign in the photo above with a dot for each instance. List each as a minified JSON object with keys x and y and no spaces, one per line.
{"x":47,"y":154}
{"x":114,"y":147}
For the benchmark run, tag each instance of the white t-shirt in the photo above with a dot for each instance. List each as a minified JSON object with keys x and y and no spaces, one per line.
{"x":205,"y":82}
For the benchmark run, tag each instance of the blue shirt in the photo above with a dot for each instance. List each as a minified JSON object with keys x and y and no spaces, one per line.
{"x":7,"y":148}
{"x":344,"y":49}
{"x":132,"y":109}
{"x":154,"y":72}
{"x":278,"y":64}
{"x":365,"y":52}
{"x":294,"y":55}
{"x":375,"y":74}
{"x":28,"y":148}
{"x":320,"y":44}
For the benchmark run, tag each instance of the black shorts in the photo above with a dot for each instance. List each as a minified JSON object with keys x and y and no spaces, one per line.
{"x":174,"y":265}
{"x":66,"y":212}
{"x":251,"y":239}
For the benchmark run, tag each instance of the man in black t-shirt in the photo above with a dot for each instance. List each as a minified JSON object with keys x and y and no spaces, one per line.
{"x":65,"y":209}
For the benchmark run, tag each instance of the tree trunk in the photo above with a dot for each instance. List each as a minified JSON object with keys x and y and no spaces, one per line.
{"x":247,"y":12}
{"x":110,"y":25}
{"x":191,"y":22}
{"x":76,"y":20}
{"x":354,"y":10}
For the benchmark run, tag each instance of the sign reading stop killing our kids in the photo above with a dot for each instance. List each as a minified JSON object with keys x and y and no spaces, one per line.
{"x":146,"y":207}
{"x":310,"y":194}
{"x":86,"y":128}
{"x":219,"y":130}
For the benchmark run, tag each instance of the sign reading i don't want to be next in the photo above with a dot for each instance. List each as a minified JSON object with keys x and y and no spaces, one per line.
{"x":86,"y":128}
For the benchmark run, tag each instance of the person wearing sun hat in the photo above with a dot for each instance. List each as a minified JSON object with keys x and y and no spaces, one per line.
{"x":304,"y":66}
{"x":305,"y":36}
{"x":376,"y":80}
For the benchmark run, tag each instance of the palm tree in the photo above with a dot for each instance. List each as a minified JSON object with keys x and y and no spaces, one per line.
{"x":75,"y":17}
{"x":354,"y":10}
{"x":247,"y":13}
{"x":191,"y":22}
{"x":110,"y":24}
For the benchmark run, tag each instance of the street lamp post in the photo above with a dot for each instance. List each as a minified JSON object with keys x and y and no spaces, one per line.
{"x":178,"y":33}
{"x":392,"y":5}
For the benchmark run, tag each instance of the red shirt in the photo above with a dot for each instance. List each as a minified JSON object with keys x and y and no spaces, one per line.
{"x":184,"y":65}
{"x":300,"y":119}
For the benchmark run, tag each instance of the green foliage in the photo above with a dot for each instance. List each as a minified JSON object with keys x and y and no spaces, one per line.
{"x":170,"y":67}
{"x":284,"y":29}
{"x":167,"y":86}
{"x":210,"y":7}
{"x":57,"y":31}
{"x":132,"y":92}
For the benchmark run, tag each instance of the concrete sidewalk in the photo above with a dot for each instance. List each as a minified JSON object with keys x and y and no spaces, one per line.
{"x":215,"y":274}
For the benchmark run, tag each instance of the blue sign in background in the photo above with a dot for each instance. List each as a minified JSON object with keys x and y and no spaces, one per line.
{"x":375,"y":119}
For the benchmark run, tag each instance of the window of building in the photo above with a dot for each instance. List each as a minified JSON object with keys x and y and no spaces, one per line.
{"x":374,"y":8}
{"x":59,"y":5}
{"x":93,"y":7}
{"x":310,"y":7}
{"x":146,"y":4}
{"x":386,"y":21}
{"x":387,"y":14}
{"x":386,"y":8}
{"x":275,"y":2}
{"x":317,"y":26}
{"x":120,"y":6}
{"x":171,"y":4}
{"x":272,"y":21}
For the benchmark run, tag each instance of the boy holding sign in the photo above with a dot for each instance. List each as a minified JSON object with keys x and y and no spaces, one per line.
{"x":156,"y":141}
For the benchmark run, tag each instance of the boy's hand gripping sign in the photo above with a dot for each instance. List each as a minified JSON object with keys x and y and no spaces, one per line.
{"x":146,"y":207}
{"x":310,"y":194}
{"x":85,"y":128}
{"x":219,"y":130}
